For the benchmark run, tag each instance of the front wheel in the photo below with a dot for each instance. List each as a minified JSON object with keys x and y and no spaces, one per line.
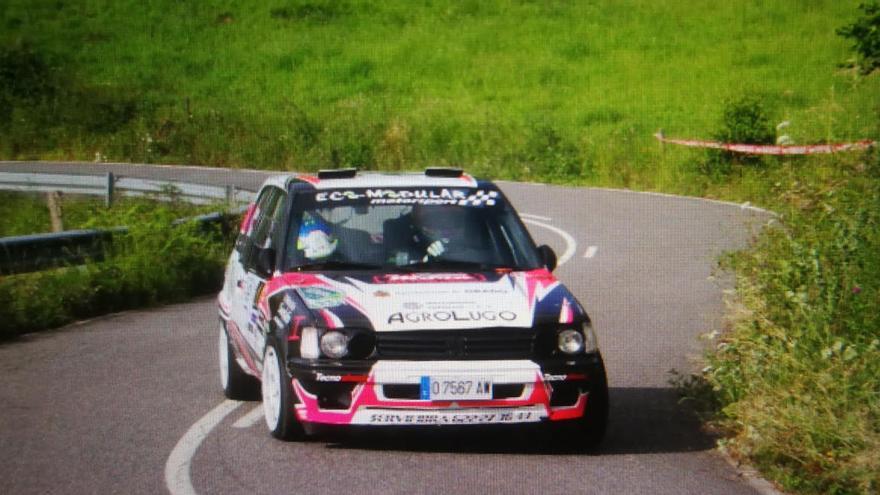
{"x":278,"y":398}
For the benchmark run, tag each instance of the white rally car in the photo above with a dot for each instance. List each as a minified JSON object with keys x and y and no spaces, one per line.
{"x":410,"y":299}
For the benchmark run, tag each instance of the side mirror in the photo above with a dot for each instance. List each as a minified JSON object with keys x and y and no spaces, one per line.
{"x":548,"y":257}
{"x":265,"y":262}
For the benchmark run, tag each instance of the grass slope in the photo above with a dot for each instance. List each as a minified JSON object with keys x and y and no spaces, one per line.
{"x":568,"y":91}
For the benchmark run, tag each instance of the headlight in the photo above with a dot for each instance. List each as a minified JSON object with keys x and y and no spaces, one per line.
{"x":308,"y":344}
{"x":334,"y":344}
{"x":591,"y":343}
{"x":570,"y":341}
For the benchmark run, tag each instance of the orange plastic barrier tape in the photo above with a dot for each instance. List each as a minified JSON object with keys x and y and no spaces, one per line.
{"x":765,"y":149}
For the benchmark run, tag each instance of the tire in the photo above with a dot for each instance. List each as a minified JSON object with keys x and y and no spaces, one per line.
{"x":237,"y":385}
{"x":278,"y":398}
{"x":586,"y":433}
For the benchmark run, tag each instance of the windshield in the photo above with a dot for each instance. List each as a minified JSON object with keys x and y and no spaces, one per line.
{"x":437,"y":229}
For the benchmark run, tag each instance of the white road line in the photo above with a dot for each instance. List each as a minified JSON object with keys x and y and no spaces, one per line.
{"x":591,"y":251}
{"x":536,"y":217}
{"x":570,"y":243}
{"x":742,"y":206}
{"x":177,"y":467}
{"x":250,"y":419}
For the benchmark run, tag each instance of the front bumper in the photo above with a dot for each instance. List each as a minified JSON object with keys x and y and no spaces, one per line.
{"x":386,"y":392}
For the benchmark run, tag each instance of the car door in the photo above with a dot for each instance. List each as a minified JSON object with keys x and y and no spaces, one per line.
{"x":250,"y":281}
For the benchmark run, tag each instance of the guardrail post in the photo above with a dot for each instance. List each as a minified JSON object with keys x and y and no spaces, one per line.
{"x":111,"y":180}
{"x":230,"y":195}
{"x":53,"y":201}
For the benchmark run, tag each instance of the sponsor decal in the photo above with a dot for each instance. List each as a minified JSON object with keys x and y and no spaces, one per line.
{"x":554,"y":378}
{"x":490,"y":290}
{"x":417,"y":278}
{"x":294,"y":328}
{"x":247,"y":221}
{"x":285,"y":310}
{"x":560,"y":378}
{"x":443,"y":196}
{"x":321,"y":377}
{"x":320,"y":297}
{"x":381,"y":293}
{"x":566,"y":315}
{"x":462,"y":418}
{"x":256,"y":323}
{"x":330,"y":319}
{"x":404,"y":317}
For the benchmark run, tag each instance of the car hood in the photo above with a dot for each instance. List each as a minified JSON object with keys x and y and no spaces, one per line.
{"x":432,"y":301}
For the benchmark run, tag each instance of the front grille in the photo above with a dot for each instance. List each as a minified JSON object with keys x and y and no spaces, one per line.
{"x":487,"y":343}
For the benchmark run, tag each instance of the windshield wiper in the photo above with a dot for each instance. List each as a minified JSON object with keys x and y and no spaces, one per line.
{"x":337,"y":265}
{"x":445,"y":264}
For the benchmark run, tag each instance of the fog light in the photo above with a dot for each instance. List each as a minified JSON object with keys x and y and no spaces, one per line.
{"x":570,"y":341}
{"x":308,"y":344}
{"x":334,"y":344}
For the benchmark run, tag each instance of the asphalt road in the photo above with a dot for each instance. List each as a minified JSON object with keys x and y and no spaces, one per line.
{"x":112,"y":405}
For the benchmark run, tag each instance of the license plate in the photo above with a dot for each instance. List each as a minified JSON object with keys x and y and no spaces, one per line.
{"x":455,"y":388}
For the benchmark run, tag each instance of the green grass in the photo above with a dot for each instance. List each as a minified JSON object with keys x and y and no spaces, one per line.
{"x":561,"y":91}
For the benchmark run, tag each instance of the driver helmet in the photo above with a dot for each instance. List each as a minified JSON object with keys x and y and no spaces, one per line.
{"x":440,"y":222}
{"x":315,"y":238}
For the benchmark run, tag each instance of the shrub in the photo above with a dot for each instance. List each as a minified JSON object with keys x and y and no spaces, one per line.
{"x":745,"y":120}
{"x":548,"y":154}
{"x":865,"y":34}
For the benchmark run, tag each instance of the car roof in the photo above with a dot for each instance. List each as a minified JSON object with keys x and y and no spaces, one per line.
{"x":322,"y":181}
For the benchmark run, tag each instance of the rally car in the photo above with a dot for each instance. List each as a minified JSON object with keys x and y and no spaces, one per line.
{"x":408,"y":299}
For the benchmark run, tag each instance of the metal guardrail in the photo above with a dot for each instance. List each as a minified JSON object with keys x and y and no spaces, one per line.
{"x":109,"y":184}
{"x":29,"y":253}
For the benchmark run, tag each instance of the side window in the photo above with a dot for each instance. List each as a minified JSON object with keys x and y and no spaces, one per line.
{"x":266,"y":205}
{"x":266,"y":219}
{"x":279,"y":220}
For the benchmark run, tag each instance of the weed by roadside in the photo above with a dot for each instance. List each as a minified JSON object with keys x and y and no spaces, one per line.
{"x":794,"y":377}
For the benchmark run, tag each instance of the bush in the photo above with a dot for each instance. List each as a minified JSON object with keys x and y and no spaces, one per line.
{"x":745,"y":120}
{"x":549,"y":155}
{"x":865,"y":34}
